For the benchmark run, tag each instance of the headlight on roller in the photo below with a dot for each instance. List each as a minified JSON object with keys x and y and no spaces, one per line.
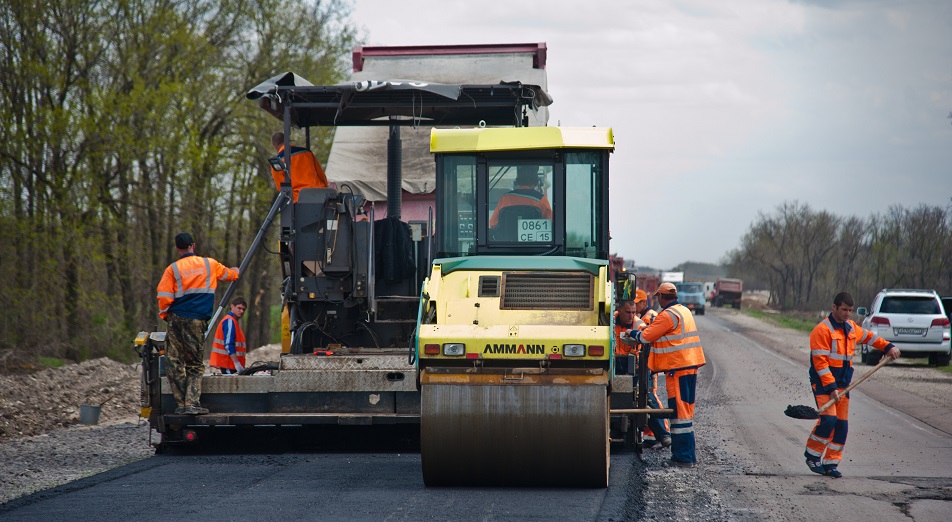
{"x":573,"y":350}
{"x":454,"y":349}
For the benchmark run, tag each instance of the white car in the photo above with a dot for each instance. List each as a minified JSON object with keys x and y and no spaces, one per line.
{"x":913,"y":320}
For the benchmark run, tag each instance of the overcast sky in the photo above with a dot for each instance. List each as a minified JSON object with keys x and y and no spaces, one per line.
{"x":725,"y":109}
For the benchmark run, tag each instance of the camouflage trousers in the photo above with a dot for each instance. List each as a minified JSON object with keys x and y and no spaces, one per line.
{"x":184,"y":347}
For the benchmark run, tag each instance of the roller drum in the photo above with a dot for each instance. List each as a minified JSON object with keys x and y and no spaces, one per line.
{"x":546,"y":435}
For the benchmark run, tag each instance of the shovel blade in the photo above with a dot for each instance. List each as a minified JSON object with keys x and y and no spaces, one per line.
{"x":801,"y":412}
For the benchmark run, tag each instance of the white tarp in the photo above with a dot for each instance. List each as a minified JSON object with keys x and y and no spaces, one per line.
{"x":359,"y":154}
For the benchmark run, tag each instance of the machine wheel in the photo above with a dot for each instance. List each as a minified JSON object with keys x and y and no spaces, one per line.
{"x":873,"y":357}
{"x":939,"y":359}
{"x":545,"y":435}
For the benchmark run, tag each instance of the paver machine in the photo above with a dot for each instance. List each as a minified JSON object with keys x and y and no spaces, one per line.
{"x":350,"y":279}
{"x":515,"y":333}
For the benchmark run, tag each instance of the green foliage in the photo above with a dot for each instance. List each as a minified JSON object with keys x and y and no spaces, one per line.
{"x":786,"y":320}
{"x":123,"y":123}
{"x":50,"y":362}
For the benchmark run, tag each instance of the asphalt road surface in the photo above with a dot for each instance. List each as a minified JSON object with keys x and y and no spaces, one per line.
{"x":751,"y":466}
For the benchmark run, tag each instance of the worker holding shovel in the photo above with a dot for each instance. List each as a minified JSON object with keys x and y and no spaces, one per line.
{"x":832,"y":345}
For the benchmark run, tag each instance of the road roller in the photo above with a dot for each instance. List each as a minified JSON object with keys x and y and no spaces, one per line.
{"x":514,"y":337}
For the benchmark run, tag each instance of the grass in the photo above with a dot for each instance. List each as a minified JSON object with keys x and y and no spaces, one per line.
{"x":800,"y":321}
{"x":50,"y":362}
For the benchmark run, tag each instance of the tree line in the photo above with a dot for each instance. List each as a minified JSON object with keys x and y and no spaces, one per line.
{"x":806,"y":256}
{"x":125,"y":123}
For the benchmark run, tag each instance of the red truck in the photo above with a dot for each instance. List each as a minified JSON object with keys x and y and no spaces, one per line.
{"x":728,"y":292}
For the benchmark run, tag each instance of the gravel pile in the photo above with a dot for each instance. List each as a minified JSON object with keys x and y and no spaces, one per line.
{"x":42,"y":442}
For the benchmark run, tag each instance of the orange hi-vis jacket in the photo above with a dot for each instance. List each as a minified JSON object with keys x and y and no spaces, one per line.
{"x":228,"y":339}
{"x":675,"y":343}
{"x":620,"y":347}
{"x":831,"y":353}
{"x":188,"y":286}
{"x":306,"y":171}
{"x":526,"y":196}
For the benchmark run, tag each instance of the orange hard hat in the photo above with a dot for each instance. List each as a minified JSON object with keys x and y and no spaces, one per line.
{"x":640,"y":295}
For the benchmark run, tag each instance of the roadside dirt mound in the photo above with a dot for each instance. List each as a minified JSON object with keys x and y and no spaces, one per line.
{"x":39,"y":402}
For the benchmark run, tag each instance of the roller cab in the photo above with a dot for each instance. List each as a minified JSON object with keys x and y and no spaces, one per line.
{"x":514,"y":334}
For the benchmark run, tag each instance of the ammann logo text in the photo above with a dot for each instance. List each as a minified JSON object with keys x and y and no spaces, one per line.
{"x":515,"y":348}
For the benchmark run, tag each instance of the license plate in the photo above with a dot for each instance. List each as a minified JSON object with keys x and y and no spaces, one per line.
{"x":909,"y":331}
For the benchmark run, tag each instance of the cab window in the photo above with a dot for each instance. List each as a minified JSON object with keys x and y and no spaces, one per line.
{"x":520,"y":202}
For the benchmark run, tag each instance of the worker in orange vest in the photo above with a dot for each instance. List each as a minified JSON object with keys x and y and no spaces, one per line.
{"x":229,"y":347}
{"x":645,"y":317}
{"x":832,"y":345}
{"x":186,"y":296}
{"x":626,"y":319}
{"x":525,"y":193}
{"x":676,"y":351}
{"x":306,"y":171}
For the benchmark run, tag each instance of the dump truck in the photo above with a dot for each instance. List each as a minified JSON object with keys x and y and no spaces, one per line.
{"x":350,"y":280}
{"x":727,"y":292}
{"x":691,"y":295}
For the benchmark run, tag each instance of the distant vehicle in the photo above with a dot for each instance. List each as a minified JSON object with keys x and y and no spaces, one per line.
{"x":914,"y":320}
{"x":727,"y":292}
{"x":691,"y":295}
{"x":709,"y":291}
{"x":947,"y":305}
{"x":672,"y":277}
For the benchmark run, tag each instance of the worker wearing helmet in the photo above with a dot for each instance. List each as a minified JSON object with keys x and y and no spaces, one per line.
{"x":229,"y":347}
{"x":626,"y":319}
{"x":676,"y":351}
{"x":306,"y":171}
{"x":186,"y":296}
{"x":832,"y":345}
{"x":645,"y":316}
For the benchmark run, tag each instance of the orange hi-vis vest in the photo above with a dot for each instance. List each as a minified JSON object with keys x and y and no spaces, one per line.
{"x":306,"y":171}
{"x":226,"y":334}
{"x":675,"y":343}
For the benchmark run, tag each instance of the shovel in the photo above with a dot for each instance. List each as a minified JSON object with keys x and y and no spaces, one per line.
{"x":806,"y":412}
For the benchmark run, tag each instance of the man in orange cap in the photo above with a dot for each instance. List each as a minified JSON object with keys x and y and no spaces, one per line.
{"x":675,"y":350}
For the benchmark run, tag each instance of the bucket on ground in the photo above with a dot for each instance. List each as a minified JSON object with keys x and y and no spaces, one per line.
{"x":89,"y":414}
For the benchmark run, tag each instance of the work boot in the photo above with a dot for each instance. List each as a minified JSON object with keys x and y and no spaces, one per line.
{"x":195,"y":410}
{"x":816,"y":467}
{"x":180,"y":411}
{"x":666,"y":442}
{"x":831,"y":471}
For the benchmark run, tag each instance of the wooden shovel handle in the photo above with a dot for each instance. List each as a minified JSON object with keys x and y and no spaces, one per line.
{"x":883,"y":362}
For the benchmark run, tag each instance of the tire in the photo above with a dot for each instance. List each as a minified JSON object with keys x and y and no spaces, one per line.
{"x":873,"y":357}
{"x":939,"y":359}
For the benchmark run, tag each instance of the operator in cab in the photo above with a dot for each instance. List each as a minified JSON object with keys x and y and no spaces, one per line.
{"x":525,"y":193}
{"x":306,"y":171}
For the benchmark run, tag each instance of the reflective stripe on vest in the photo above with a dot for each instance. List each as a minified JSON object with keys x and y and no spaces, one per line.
{"x":681,"y":347}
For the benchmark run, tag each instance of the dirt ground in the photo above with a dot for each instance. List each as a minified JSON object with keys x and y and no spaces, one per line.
{"x":44,"y":444}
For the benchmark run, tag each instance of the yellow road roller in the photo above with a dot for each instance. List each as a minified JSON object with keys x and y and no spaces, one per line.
{"x":514,"y":335}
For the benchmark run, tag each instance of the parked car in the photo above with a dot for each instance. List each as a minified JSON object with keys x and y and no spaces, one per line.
{"x":914,"y":320}
{"x":947,"y":304}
